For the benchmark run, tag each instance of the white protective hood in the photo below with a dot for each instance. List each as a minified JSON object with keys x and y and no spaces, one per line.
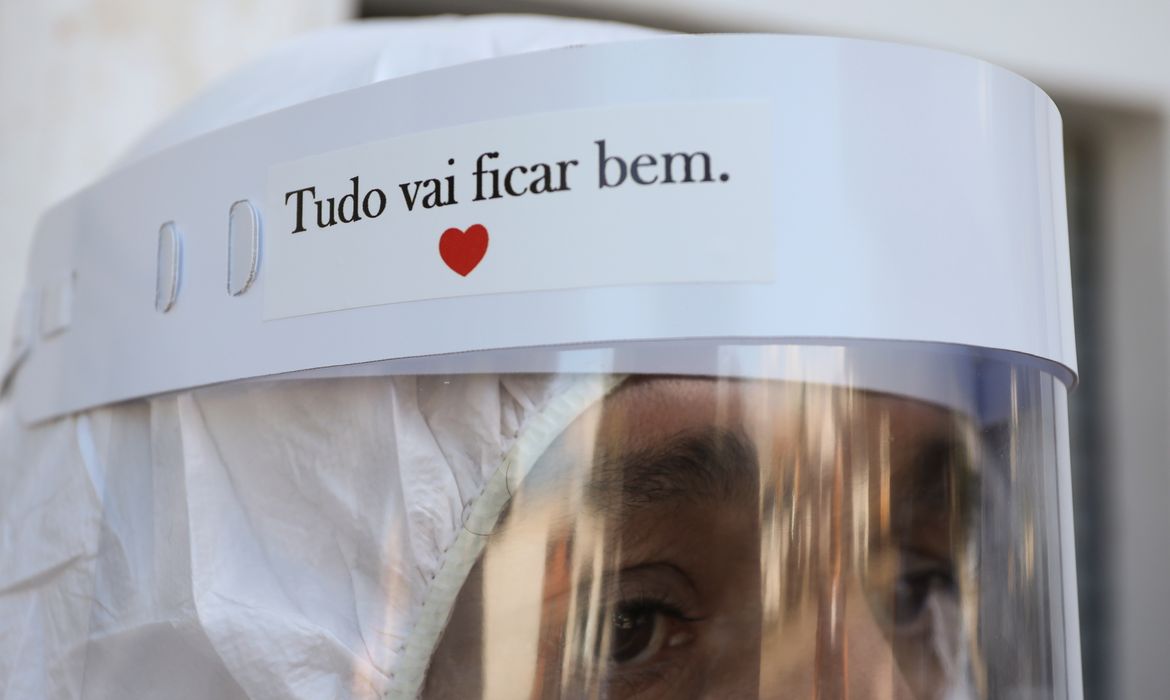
{"x":275,"y":539}
{"x":279,"y":539}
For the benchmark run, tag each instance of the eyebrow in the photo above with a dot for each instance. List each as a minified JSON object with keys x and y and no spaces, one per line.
{"x":940,"y":478}
{"x":699,"y":465}
{"x":717,"y":464}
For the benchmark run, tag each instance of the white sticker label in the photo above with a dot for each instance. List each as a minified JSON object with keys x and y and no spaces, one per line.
{"x":651,"y":194}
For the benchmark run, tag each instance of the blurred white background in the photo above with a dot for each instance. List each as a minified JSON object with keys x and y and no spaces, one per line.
{"x":81,"y":79}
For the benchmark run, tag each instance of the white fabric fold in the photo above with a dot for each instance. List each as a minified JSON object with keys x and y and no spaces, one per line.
{"x":271,"y":539}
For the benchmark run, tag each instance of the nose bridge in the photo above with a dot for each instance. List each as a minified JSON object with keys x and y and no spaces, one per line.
{"x":853,"y":654}
{"x":823,"y":505}
{"x":849,"y":658}
{"x":832,"y":632}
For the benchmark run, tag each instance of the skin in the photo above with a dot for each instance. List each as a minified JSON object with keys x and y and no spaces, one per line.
{"x":697,"y":538}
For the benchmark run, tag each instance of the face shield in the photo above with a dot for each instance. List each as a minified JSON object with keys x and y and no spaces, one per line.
{"x":774,"y":534}
{"x":739,"y":373}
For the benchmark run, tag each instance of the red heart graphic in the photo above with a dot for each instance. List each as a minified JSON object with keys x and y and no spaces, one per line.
{"x":462,"y":250}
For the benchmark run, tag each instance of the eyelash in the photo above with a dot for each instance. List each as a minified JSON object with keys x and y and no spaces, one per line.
{"x":657,"y":603}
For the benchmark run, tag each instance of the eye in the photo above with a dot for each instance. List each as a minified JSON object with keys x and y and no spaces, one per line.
{"x":649,"y":615}
{"x":921,"y":582}
{"x":638,"y":631}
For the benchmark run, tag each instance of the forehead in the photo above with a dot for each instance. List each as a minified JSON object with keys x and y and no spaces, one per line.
{"x":669,"y":440}
{"x":647,"y":411}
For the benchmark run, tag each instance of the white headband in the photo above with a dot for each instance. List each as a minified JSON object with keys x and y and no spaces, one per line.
{"x":746,"y":188}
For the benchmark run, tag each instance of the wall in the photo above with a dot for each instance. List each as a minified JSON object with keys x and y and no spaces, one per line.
{"x":81,"y":79}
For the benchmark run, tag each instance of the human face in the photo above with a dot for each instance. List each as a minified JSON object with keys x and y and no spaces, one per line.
{"x":697,"y":538}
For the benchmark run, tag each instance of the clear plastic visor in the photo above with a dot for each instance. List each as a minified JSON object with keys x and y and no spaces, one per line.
{"x":741,"y":521}
{"x":731,"y":537}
